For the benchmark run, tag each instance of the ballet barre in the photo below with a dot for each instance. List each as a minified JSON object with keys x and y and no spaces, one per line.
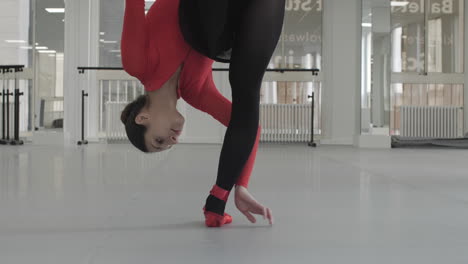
{"x":314,"y":72}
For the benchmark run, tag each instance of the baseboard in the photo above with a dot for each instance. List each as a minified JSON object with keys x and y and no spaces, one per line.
{"x":337,"y":141}
{"x":48,"y":137}
{"x":373,"y":141}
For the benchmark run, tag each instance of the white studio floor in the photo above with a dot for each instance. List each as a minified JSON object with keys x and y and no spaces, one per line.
{"x":108,"y":204}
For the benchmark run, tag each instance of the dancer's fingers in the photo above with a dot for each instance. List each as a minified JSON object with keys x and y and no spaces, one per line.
{"x":250,"y":216}
{"x":257,"y":208}
{"x":270,"y":216}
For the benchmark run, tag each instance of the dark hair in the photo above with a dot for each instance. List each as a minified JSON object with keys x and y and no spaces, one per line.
{"x":135,"y":132}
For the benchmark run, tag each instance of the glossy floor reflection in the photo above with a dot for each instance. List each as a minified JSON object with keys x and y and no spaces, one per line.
{"x":110,"y":204}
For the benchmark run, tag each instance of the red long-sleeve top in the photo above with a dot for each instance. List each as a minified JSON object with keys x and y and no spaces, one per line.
{"x":153,"y":48}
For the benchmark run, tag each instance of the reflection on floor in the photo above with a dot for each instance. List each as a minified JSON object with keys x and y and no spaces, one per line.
{"x":111,"y":204}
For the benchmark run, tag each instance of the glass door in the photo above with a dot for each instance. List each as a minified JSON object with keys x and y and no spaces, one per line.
{"x":376,"y":67}
{"x":427,"y":82}
{"x":49,"y":59}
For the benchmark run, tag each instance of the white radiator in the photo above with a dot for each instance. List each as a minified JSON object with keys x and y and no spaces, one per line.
{"x":285,"y":122}
{"x":280,"y":122}
{"x":115,"y":129}
{"x":431,"y":121}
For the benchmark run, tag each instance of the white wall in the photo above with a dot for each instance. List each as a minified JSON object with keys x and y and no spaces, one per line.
{"x":81,"y":33}
{"x":47,"y":75}
{"x":466,"y":71}
{"x":59,"y":75}
{"x":14,"y":25}
{"x":341,"y":69}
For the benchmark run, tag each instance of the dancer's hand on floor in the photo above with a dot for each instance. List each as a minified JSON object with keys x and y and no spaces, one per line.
{"x":247,"y":204}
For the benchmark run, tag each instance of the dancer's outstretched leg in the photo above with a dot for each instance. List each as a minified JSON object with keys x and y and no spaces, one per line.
{"x":256,"y":38}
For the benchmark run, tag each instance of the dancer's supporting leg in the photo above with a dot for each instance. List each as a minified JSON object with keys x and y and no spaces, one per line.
{"x":257,"y":36}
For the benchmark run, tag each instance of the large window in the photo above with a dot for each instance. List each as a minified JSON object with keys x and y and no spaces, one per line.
{"x":412,"y":69}
{"x":440,"y":23}
{"x":300,"y":46}
{"x":428,"y":60}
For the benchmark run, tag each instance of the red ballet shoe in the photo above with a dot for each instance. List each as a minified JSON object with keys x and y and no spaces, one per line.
{"x":213,"y":219}
{"x":216,"y":220}
{"x":219,"y":193}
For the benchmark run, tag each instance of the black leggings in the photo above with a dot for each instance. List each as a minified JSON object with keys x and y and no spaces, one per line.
{"x":256,"y":38}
